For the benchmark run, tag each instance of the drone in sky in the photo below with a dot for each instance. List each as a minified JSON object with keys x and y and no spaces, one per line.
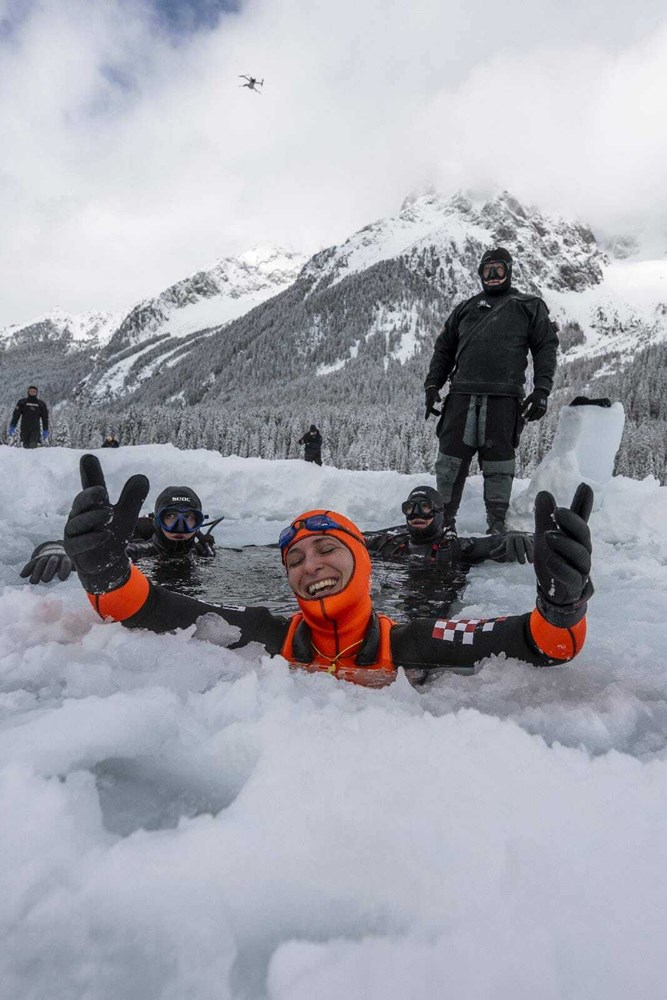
{"x":252,"y":83}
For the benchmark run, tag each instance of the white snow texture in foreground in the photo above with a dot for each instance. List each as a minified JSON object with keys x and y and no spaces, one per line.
{"x":183,"y":821}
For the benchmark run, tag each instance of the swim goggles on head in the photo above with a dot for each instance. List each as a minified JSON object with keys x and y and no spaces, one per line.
{"x":422,"y":508}
{"x":316,"y":522}
{"x":180,"y":520}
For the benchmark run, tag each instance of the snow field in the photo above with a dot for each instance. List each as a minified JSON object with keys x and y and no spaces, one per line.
{"x":181,"y":820}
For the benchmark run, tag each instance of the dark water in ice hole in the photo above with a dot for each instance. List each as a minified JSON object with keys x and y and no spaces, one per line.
{"x":254,"y":576}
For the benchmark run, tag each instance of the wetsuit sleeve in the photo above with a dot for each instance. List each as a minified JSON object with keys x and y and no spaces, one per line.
{"x":141,"y":604}
{"x":444,"y":352}
{"x":474,"y":550}
{"x":138,"y":548}
{"x":429,"y":643}
{"x":17,"y":414}
{"x":543,"y":344}
{"x":144,"y":528}
{"x":44,"y":414}
{"x":385,"y":538}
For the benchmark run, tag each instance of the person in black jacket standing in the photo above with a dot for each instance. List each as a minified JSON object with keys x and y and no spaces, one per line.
{"x":30,"y":411}
{"x":312,"y":439}
{"x":483,"y":353}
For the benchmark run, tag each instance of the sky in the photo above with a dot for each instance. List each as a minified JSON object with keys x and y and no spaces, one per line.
{"x":130,"y":156}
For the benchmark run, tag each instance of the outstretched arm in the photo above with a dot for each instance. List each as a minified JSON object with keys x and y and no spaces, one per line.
{"x":554,"y":632}
{"x":96,"y":540}
{"x":515,"y":546}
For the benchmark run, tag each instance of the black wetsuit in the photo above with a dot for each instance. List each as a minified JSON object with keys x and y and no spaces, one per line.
{"x":436,"y":570}
{"x":313,"y":446}
{"x":422,"y":644}
{"x":30,"y":411}
{"x":442,"y":550}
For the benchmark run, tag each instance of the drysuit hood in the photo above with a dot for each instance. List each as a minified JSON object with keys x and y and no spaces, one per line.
{"x":340,"y":620}
{"x":33,"y":387}
{"x":176,"y":496}
{"x":505,"y":257}
{"x":436,"y":525}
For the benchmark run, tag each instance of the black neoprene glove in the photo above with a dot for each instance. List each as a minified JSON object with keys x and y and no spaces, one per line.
{"x":97,"y":531}
{"x":47,"y":560}
{"x":534,"y":406}
{"x":515,"y":546}
{"x":431,"y":397}
{"x":563,"y":557}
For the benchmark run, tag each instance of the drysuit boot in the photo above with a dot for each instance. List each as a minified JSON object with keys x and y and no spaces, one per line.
{"x":496,"y":523}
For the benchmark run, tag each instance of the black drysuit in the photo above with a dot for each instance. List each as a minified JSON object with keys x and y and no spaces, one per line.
{"x":148,"y":540}
{"x":442,"y":550}
{"x":312,"y":440}
{"x":437,"y":568}
{"x":30,"y":411}
{"x":483,"y":352}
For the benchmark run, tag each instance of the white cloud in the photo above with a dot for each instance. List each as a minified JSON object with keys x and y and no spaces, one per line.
{"x":128,"y":160}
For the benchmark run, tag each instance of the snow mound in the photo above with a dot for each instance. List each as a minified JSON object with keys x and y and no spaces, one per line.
{"x":182,"y":820}
{"x":583,"y":450}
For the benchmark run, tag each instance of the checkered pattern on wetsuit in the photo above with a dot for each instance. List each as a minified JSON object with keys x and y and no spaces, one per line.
{"x":464,"y":629}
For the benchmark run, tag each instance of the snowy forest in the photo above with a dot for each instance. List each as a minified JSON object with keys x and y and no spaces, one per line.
{"x":393,"y":435}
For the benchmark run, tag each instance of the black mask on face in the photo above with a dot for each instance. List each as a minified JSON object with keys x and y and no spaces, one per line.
{"x":434,"y":527}
{"x":499,"y":256}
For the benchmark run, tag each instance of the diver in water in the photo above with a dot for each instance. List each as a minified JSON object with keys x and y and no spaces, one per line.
{"x":328,"y":568}
{"x":172,"y":532}
{"x":435,"y":560}
{"x":173,"y":529}
{"x":427,"y":538}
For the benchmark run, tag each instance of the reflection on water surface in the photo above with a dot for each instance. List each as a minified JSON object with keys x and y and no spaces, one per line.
{"x":255,"y":576}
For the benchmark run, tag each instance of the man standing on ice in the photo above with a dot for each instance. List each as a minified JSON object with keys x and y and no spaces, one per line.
{"x":483,"y":353}
{"x":30,"y":411}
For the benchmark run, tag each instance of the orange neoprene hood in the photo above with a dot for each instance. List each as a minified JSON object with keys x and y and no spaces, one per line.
{"x":340,"y":620}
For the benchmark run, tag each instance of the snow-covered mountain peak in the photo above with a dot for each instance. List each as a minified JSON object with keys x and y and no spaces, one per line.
{"x":269,"y":258}
{"x":213,"y":296}
{"x":79,"y":328}
{"x":549,"y":252}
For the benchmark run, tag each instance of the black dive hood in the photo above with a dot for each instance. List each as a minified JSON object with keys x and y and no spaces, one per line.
{"x":505,"y":257}
{"x":175,"y":496}
{"x":434,"y":529}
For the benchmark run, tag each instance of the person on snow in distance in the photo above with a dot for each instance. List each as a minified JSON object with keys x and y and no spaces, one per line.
{"x":427,"y":538}
{"x":172,"y":532}
{"x":328,"y":568}
{"x":483,"y":353}
{"x":30,"y":412}
{"x":111,"y":441}
{"x":312,"y":440}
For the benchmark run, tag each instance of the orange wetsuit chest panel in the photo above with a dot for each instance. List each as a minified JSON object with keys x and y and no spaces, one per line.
{"x":377,"y":674}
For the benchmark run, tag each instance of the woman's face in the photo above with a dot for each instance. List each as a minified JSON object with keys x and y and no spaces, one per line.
{"x":318,"y":566}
